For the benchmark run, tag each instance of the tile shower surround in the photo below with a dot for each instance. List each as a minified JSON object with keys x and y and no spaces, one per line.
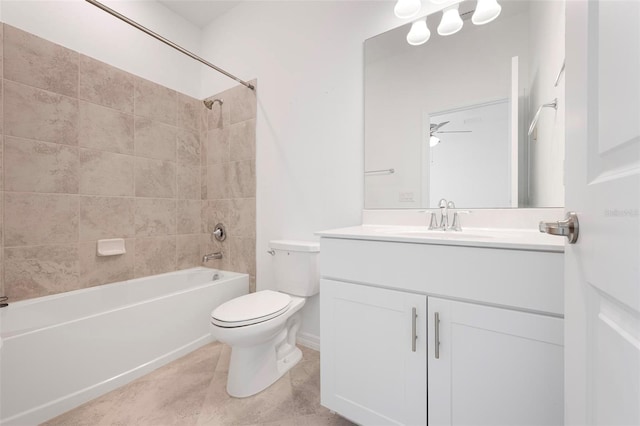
{"x":90,"y":152}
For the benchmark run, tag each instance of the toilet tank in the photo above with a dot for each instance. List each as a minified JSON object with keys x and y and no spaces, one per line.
{"x":296,"y":266}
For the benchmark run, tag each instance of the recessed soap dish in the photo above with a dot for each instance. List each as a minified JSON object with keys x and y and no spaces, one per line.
{"x":111,"y":247}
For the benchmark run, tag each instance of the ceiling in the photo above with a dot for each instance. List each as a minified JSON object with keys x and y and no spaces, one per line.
{"x":200,"y":12}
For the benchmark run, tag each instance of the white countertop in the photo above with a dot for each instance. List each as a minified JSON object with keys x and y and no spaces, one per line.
{"x":514,"y":239}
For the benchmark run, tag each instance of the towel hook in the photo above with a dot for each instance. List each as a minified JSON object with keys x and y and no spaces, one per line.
{"x":559,"y":74}
{"x":553,"y":105}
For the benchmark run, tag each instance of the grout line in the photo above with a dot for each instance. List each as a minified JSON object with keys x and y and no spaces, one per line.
{"x":78,"y":211}
{"x":135,"y":107}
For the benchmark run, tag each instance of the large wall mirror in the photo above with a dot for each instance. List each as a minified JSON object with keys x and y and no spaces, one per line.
{"x":450,"y":118}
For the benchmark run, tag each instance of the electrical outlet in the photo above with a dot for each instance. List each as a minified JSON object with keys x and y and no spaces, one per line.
{"x":406,"y":197}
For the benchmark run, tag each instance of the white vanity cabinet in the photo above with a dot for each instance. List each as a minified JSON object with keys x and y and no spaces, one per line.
{"x":500,"y":358}
{"x":493,"y":366}
{"x":374,"y":353}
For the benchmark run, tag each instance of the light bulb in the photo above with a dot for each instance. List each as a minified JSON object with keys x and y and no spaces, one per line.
{"x":407,"y":8}
{"x":486,"y":11}
{"x":419,"y":33}
{"x":433,"y":141}
{"x":451,"y":22}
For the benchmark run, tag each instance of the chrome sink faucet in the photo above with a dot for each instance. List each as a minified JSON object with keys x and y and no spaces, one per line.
{"x":455,"y":222}
{"x":443,"y":225}
{"x":444,"y":214}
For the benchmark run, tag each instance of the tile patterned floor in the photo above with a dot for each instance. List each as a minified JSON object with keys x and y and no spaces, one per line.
{"x":191,"y":391}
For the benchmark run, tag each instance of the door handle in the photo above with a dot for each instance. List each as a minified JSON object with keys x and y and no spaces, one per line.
{"x":568,"y":227}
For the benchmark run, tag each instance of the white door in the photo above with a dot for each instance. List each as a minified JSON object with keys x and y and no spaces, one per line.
{"x":602,"y":289}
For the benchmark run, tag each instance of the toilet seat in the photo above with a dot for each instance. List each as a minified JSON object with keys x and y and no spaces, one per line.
{"x":251,"y":309}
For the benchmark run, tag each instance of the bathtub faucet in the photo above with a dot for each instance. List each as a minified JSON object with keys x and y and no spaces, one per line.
{"x":208,"y":257}
{"x":3,"y":301}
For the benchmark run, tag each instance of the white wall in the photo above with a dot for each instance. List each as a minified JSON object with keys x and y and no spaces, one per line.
{"x":308,"y":59}
{"x":82,"y":27}
{"x":547,"y":143}
{"x":473,"y":169}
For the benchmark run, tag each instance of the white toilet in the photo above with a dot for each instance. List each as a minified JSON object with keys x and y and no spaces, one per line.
{"x":261,"y":327}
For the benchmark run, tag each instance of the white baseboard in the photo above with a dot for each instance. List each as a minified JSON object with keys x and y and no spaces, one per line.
{"x":308,"y":340}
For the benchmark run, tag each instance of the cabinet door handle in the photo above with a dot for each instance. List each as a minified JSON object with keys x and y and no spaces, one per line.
{"x":436,"y":324}
{"x":414,"y":335}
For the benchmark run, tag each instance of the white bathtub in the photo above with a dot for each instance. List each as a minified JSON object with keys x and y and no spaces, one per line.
{"x":57,"y":352}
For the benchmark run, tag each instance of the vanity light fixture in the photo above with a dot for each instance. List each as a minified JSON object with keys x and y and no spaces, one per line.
{"x":486,"y":11}
{"x":451,"y":21}
{"x":407,"y":8}
{"x":419,"y":33}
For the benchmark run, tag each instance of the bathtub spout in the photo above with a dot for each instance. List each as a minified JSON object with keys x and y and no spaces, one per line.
{"x":208,"y":257}
{"x":3,"y":301}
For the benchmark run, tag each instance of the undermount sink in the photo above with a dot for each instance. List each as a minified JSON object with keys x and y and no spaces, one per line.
{"x":521,"y":239}
{"x":443,"y":235}
{"x":411,"y":231}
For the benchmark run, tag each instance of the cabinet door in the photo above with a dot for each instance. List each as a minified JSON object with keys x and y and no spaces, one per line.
{"x":494,"y":366}
{"x":370,"y":371}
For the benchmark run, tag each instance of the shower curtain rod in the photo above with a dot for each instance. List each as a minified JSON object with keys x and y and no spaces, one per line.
{"x":167,"y":42}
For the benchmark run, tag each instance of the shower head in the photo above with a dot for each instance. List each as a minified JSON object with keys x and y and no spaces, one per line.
{"x":209,"y":103}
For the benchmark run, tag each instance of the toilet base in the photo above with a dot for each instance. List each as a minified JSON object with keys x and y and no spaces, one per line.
{"x":261,"y":353}
{"x":252,"y":370}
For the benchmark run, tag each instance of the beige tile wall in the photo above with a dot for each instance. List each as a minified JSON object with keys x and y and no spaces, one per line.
{"x":228,"y":135}
{"x":89,"y":152}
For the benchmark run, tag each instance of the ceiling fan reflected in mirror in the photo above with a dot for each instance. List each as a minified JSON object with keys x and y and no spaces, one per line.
{"x":435,"y":128}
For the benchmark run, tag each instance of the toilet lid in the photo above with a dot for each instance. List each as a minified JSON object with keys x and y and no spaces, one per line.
{"x":251,"y":309}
